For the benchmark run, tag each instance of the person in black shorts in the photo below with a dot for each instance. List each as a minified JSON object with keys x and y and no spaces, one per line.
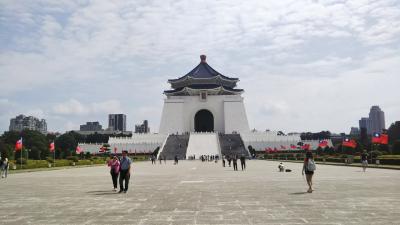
{"x":309,"y":174}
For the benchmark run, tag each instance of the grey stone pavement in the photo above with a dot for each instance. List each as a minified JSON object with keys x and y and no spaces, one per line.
{"x":202,"y":193}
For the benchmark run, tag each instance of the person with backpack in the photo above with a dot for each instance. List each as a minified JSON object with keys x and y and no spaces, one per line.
{"x":308,"y":169}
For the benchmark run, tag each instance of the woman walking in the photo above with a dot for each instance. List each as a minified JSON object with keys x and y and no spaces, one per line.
{"x":114,"y":165}
{"x":308,"y":169}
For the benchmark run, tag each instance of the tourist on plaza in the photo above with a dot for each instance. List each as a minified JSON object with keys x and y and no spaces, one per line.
{"x":364,"y":160}
{"x":125,"y":172}
{"x":229,"y":160}
{"x":235,"y":158}
{"x":243,"y":162}
{"x":281,"y":167}
{"x":114,"y":170}
{"x":4,"y":168}
{"x":308,"y":169}
{"x":153,"y":159}
{"x":223,"y":161}
{"x":176,"y":160}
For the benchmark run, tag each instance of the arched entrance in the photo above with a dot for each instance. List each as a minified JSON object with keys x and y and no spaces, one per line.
{"x":204,"y":121}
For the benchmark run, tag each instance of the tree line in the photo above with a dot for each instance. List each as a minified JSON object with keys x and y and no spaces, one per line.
{"x":37,"y":145}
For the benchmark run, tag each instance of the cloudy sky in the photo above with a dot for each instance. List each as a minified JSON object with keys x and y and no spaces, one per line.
{"x":304,"y":65}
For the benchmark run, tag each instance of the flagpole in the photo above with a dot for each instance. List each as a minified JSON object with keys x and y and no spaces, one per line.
{"x":21,"y":158}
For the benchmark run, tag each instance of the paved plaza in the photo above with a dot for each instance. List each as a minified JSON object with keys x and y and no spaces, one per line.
{"x":203,"y":193}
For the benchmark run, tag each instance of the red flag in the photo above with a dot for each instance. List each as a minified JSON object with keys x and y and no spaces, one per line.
{"x":78,"y":150}
{"x":51,"y":147}
{"x":349,"y":143}
{"x":378,"y":138}
{"x":306,"y":146}
{"x":18,"y":145}
{"x":292,"y":146}
{"x":384,"y":139}
{"x":102,"y":149}
{"x":323,"y":143}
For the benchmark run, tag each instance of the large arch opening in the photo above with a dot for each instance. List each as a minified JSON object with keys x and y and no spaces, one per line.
{"x":204,"y":121}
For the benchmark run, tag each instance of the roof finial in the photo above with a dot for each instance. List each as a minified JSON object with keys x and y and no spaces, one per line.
{"x":203,"y":58}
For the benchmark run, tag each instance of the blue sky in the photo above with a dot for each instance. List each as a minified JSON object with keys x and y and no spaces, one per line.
{"x":304,"y":65}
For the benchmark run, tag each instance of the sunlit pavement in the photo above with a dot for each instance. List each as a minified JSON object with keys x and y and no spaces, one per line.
{"x":193,"y":192}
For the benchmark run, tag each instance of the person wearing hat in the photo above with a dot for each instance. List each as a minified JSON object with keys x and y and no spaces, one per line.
{"x":125,"y":172}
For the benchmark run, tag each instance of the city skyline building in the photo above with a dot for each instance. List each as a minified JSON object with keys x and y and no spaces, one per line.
{"x":377,"y":117}
{"x":117,"y":122}
{"x":375,"y":122}
{"x":22,"y":122}
{"x":91,"y":126}
{"x":142,"y":128}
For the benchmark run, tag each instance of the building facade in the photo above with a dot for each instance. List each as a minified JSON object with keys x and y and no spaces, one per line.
{"x":142,"y":128}
{"x":203,"y":100}
{"x":22,"y":122}
{"x":377,"y":117}
{"x":91,"y":126}
{"x":375,"y":122}
{"x":117,"y":122}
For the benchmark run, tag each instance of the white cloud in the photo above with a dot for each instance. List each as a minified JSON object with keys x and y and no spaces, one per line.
{"x":74,"y":107}
{"x":299,"y":53}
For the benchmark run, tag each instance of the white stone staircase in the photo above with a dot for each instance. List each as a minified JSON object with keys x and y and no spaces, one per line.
{"x":203,"y":144}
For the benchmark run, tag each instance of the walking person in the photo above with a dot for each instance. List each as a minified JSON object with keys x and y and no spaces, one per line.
{"x":243,"y":162}
{"x":364,"y":160}
{"x":235,"y":158}
{"x":114,"y":165}
{"x":176,"y":160}
{"x":4,"y":168}
{"x":125,"y":172}
{"x":308,"y":169}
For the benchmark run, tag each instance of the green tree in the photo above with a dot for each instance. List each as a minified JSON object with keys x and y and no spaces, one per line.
{"x":396,"y":147}
{"x":394,"y":132}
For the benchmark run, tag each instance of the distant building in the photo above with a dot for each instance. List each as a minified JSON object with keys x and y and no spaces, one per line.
{"x":375,"y":122}
{"x":22,"y":122}
{"x":104,"y":132}
{"x":142,"y":128}
{"x":366,"y":124}
{"x":354,"y":131}
{"x":377,"y":117}
{"x":91,"y":126}
{"x":117,"y":122}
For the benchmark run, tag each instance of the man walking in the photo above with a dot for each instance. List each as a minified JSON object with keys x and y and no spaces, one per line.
{"x":125,"y":172}
{"x":235,"y":158}
{"x":243,"y":162}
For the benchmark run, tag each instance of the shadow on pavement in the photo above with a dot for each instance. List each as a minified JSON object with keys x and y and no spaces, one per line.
{"x":102,"y":192}
{"x":299,"y":193}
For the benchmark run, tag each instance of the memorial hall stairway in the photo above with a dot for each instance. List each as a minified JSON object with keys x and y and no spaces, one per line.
{"x":232,"y":144}
{"x":175,"y":145}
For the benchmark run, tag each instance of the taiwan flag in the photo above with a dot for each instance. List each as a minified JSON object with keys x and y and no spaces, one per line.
{"x":102,"y":149}
{"x":306,"y":147}
{"x":292,"y":146}
{"x":78,"y":150}
{"x":349,"y":143}
{"x":323,"y":143}
{"x":51,"y":147}
{"x":378,"y":138}
{"x":18,"y":145}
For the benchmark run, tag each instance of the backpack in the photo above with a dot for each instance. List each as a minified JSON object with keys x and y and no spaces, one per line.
{"x":311,"y":165}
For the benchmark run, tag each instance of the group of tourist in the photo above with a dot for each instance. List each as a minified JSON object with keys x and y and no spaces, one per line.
{"x":120,"y":167}
{"x":4,"y":166}
{"x":232,"y":160}
{"x":209,"y":158}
